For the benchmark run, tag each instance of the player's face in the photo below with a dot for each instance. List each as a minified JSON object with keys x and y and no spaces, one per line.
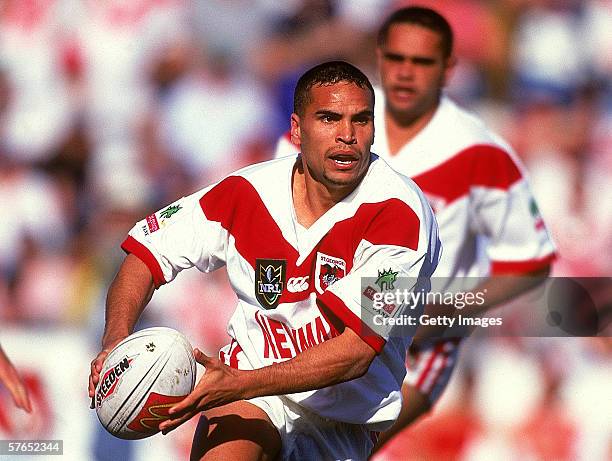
{"x":413,"y":70}
{"x":335,"y":134}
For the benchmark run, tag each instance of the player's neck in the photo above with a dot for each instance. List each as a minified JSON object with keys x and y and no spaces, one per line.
{"x":401,"y":130}
{"x":311,"y":199}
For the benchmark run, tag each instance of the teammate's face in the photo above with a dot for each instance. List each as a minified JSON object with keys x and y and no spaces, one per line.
{"x":335,"y":134}
{"x":413,"y":70}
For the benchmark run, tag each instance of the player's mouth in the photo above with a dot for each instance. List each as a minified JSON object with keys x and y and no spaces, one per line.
{"x":344,"y":160}
{"x":403,"y":93}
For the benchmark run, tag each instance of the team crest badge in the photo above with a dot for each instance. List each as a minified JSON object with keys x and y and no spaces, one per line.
{"x":328,"y":271}
{"x":270,"y":277}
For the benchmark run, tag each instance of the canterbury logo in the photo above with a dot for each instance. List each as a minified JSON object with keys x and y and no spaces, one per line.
{"x":297,"y":284}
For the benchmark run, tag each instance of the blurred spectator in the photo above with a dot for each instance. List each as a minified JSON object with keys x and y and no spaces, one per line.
{"x":549,"y":61}
{"x":33,"y":220}
{"x":31,"y":48}
{"x":235,"y":28}
{"x":315,"y":31}
{"x":116,"y":41}
{"x":584,"y":396}
{"x":597,"y":21}
{"x":36,"y":218}
{"x":212,"y":119}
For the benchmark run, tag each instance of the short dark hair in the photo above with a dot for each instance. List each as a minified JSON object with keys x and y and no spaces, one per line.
{"x":328,"y":73}
{"x":421,"y":16}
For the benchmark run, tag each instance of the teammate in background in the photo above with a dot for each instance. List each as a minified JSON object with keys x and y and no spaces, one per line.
{"x":303,"y":377}
{"x":472,"y":179}
{"x":11,"y":379}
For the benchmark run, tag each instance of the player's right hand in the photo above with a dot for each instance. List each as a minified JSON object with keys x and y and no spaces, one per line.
{"x":96,"y":368}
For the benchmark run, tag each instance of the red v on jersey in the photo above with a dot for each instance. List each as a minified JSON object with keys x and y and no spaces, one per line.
{"x":479,"y":165}
{"x":257,"y":235}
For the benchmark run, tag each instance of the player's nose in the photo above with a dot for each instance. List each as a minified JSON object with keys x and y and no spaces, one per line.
{"x":346,"y":132}
{"x":406,"y":70}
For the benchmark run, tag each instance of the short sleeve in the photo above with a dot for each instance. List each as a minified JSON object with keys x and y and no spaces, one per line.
{"x":504,"y":210}
{"x":178,"y":237}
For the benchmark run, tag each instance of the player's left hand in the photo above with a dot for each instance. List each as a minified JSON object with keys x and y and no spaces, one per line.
{"x":218,"y":386}
{"x":19,"y":392}
{"x":13,"y":382}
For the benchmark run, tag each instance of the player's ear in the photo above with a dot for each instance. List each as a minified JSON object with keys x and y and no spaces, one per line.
{"x":296,"y":135}
{"x":451,"y":61}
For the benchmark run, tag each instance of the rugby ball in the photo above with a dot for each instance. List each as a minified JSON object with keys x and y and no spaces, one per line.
{"x":141,"y":378}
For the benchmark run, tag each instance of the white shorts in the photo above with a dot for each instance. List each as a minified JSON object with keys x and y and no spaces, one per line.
{"x":307,"y":436}
{"x":430,"y":368}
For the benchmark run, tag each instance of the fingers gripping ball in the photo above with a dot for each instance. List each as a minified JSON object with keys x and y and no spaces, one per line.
{"x":142,"y":377}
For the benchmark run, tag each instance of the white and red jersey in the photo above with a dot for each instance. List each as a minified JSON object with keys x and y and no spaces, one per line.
{"x":476,"y":187}
{"x":290,"y":281}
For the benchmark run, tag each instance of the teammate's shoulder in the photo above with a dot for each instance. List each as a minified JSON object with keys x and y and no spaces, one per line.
{"x":383,"y":183}
{"x":468,"y":128}
{"x":398,"y":201}
{"x":468,"y":135}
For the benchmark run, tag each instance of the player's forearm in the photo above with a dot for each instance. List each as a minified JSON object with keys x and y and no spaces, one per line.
{"x":127,"y":297}
{"x":337,"y":360}
{"x":500,"y":289}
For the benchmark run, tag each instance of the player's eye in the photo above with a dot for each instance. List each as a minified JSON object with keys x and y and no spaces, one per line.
{"x":424,"y":61}
{"x":362,"y":120}
{"x":328,"y":118}
{"x":394,"y":57}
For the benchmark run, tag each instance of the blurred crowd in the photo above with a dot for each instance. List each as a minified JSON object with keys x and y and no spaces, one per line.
{"x":110,"y":109}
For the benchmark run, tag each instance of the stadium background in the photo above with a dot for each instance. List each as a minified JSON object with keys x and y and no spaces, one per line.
{"x":111,"y":109}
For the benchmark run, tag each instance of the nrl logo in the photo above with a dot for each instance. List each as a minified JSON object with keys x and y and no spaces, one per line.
{"x":386,"y":279}
{"x":168,"y":212}
{"x":270,"y":277}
